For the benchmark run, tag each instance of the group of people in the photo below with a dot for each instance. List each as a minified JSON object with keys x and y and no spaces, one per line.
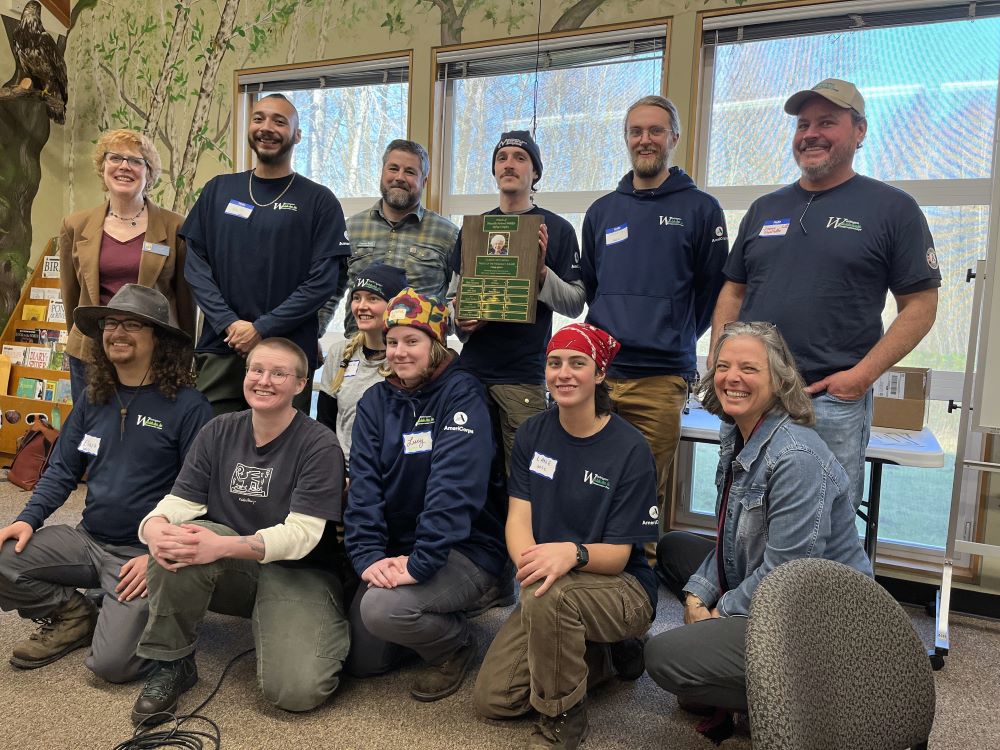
{"x":433,"y":486}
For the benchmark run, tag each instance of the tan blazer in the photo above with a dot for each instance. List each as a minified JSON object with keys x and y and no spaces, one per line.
{"x":80,"y":249}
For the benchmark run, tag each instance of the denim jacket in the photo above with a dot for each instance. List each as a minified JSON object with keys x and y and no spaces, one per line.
{"x":789,"y":499}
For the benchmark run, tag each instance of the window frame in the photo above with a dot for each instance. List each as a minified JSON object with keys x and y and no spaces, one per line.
{"x":945,"y":386}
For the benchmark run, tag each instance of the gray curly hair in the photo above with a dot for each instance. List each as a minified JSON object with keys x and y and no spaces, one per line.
{"x":789,"y":389}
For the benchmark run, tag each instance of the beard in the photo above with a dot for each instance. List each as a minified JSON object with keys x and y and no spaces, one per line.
{"x":400,"y":198}
{"x":649,"y":166}
{"x":836,"y":157}
{"x":274,"y":157}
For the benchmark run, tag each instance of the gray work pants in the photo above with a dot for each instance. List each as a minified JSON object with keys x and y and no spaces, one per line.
{"x":426,"y":618}
{"x":57,"y":561}
{"x":704,"y":662}
{"x":299,"y":627}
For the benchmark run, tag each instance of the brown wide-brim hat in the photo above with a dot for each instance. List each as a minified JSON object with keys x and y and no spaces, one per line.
{"x":136,"y":301}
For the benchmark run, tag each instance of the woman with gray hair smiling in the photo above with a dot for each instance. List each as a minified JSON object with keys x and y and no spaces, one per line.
{"x":781,"y":495}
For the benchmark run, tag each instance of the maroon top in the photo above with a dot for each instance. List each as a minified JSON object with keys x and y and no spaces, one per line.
{"x":119,"y":264}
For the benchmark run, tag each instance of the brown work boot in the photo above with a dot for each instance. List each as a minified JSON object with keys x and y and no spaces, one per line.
{"x":437,"y":681}
{"x":566,"y":731}
{"x":68,"y":628}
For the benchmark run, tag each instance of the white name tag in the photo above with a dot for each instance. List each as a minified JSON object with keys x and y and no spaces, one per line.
{"x":775,"y":228}
{"x":417,"y":442}
{"x":90,"y":444}
{"x":616,"y":234}
{"x":352,"y":368}
{"x":152,"y":247}
{"x":543,"y":465}
{"x":238,"y":208}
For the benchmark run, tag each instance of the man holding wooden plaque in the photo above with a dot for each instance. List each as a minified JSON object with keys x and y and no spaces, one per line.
{"x":515,"y":264}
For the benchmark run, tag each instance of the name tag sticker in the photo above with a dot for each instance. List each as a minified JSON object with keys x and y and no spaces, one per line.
{"x":543,"y":465}
{"x":238,"y":208}
{"x":616,"y":234}
{"x":775,"y":228}
{"x":90,"y":444}
{"x":417,"y":442}
{"x":152,"y":247}
{"x":352,"y":368}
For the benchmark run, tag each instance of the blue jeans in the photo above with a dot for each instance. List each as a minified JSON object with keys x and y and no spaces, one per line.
{"x":845,"y":427}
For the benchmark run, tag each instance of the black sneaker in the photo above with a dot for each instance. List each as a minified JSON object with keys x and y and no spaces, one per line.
{"x":567,"y":731}
{"x":628,"y":659}
{"x":161,"y":693}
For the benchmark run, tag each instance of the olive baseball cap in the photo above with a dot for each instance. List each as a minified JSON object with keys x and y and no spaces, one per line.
{"x":842,"y":93}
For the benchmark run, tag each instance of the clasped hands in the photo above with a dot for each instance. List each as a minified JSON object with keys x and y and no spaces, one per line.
{"x":388,"y":573}
{"x":177,"y":546}
{"x":242,"y":336}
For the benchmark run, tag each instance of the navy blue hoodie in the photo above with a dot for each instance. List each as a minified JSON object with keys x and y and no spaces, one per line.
{"x":652,"y":266}
{"x":420,"y":470}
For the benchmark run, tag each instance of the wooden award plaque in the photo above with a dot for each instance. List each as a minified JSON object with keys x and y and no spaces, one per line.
{"x":499,"y":268}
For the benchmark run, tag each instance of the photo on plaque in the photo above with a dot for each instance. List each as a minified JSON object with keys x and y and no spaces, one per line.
{"x":499,"y":268}
{"x":499,"y":244}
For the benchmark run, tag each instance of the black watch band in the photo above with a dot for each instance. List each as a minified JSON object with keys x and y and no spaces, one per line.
{"x":582,"y":556}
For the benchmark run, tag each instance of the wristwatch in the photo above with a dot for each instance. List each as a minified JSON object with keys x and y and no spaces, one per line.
{"x":582,"y":556}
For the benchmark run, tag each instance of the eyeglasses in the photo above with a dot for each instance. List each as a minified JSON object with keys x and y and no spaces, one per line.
{"x":277,"y":376}
{"x":136,"y":162}
{"x":657,"y":131}
{"x":130,"y":325}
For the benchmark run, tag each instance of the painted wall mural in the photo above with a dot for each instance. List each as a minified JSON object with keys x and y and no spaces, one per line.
{"x":34,"y":97}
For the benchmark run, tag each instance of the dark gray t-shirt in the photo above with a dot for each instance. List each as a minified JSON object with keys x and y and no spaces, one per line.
{"x":249,"y":488}
{"x":818,"y":266}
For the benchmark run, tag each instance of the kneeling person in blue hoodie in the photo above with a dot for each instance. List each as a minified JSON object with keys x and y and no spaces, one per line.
{"x":418,"y":528}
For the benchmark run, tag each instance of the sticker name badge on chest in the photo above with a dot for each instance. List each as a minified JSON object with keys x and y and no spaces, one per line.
{"x":352,"y":368}
{"x":615,"y":235}
{"x":417,"y":442}
{"x":238,"y":208}
{"x":775,"y":228}
{"x":543,"y":465}
{"x":90,"y":444}
{"x":155,"y":248}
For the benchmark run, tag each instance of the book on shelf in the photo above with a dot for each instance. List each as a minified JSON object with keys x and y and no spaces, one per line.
{"x":30,"y":388}
{"x":38,"y":356}
{"x":64,"y":394}
{"x":50,"y":390}
{"x":57,"y":312}
{"x":16,"y":353}
{"x":34,"y":312}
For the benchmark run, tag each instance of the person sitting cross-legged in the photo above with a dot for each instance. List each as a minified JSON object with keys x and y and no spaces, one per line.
{"x":129,"y":435}
{"x":582,"y":504}
{"x":249,"y":529}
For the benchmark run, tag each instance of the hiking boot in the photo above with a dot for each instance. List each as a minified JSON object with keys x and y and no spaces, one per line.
{"x":503,"y":593}
{"x":68,"y":628}
{"x":566,"y":731}
{"x":160,"y":695}
{"x":628,"y":658}
{"x":437,"y":681}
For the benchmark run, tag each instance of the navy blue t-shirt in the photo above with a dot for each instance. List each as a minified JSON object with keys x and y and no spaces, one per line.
{"x":274,"y":267}
{"x":515,"y":352}
{"x":818,"y":266}
{"x":127,"y":474}
{"x":599,"y":489}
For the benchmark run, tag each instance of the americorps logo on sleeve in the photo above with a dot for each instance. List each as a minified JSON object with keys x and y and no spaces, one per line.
{"x":543,"y":465}
{"x":460,"y":418}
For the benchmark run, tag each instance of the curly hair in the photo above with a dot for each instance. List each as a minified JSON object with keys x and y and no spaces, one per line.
{"x":112,"y":139}
{"x":171,"y":369}
{"x":789,"y":393}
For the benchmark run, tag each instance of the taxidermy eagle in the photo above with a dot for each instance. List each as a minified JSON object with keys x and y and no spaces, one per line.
{"x":39,"y":58}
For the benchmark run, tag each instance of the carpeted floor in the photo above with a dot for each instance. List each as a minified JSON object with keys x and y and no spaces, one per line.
{"x":64,"y":706}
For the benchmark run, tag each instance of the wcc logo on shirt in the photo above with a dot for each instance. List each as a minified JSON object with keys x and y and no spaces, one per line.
{"x":250,"y":482}
{"x":592,"y":477}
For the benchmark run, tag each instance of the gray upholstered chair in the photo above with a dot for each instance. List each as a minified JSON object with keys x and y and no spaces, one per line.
{"x":833,"y":663}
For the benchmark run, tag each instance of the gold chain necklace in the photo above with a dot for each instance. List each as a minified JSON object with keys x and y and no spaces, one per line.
{"x":265,"y":205}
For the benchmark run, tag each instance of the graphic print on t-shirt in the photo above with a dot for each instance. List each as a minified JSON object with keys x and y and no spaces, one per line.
{"x":250,"y":482}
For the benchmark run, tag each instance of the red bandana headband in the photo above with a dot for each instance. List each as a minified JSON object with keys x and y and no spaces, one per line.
{"x":586,"y":339}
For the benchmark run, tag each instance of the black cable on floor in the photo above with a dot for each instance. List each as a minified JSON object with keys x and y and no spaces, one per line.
{"x":148,"y":737}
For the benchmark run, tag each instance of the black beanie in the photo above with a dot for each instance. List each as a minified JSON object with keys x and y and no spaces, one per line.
{"x":385,"y":281}
{"x":520,"y":139}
